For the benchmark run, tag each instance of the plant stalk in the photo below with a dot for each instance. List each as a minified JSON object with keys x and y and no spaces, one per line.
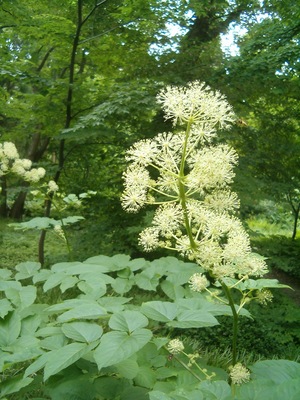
{"x":234,"y":322}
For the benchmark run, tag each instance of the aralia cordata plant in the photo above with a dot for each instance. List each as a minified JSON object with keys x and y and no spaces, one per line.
{"x":196,"y":210}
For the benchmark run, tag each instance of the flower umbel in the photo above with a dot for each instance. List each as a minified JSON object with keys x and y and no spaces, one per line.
{"x":198,"y":282}
{"x":239,"y":374}
{"x":175,"y":346}
{"x":195,"y":103}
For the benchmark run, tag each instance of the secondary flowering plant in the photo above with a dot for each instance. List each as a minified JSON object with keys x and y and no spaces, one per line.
{"x":188,"y":177}
{"x":10,"y":162}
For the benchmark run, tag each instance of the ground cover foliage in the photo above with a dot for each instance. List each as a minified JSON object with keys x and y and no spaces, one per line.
{"x":95,"y":340}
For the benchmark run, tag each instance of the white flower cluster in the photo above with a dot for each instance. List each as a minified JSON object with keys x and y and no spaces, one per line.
{"x":11,"y":162}
{"x":239,"y":374}
{"x":189,"y":179}
{"x":198,"y":282}
{"x":175,"y":346}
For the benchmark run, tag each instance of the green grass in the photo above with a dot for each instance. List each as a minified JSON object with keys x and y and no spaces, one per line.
{"x":17,"y":246}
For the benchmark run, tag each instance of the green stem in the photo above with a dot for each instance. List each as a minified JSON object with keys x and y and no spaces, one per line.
{"x":181,"y":187}
{"x":188,"y":368}
{"x":234,"y":323}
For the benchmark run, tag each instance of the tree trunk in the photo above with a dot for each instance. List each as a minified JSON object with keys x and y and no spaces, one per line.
{"x":3,"y":198}
{"x":296,"y":218}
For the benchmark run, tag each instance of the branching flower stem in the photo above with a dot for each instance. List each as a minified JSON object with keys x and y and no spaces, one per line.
{"x":188,"y":368}
{"x":181,"y":186}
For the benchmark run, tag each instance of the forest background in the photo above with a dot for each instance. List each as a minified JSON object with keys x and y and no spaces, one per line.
{"x":78,"y":86}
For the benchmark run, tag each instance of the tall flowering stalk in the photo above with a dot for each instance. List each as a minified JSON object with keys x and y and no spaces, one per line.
{"x":188,"y":178}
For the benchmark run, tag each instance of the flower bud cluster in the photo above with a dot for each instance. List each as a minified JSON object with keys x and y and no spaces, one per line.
{"x":189,"y":178}
{"x":10,"y":161}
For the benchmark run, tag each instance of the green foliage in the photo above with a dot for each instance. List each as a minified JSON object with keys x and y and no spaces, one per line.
{"x":97,"y":340}
{"x":282,"y":253}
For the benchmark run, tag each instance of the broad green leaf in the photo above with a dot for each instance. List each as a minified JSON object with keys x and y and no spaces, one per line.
{"x":71,"y":219}
{"x":4,"y":285}
{"x":73,"y":386}
{"x":134,"y":393}
{"x":260,"y":284}
{"x":115,"y":263}
{"x":94,"y":311}
{"x":128,"y":321}
{"x":14,"y":385}
{"x":54,"y":342}
{"x":71,"y":303}
{"x":68,"y":268}
{"x":288,"y":390}
{"x":109,"y":387}
{"x":193,"y":319}
{"x":128,"y":368}
{"x":35,"y":223}
{"x":22,"y":349}
{"x":82,"y":331}
{"x":138,"y":263}
{"x":257,"y":390}
{"x":92,"y":290}
{"x":10,"y":328}
{"x":172,"y":291}
{"x":120,"y":261}
{"x":5,"y":307}
{"x":68,"y":283}
{"x":94,"y":277}
{"x":101,"y":262}
{"x":157,"y":395}
{"x":49,"y":331}
{"x":37,"y":365}
{"x":5,"y":274}
{"x":27,"y":270}
{"x":122,"y":285}
{"x":54,"y":280}
{"x":22,"y":298}
{"x":31,"y":324}
{"x":60,"y":359}
{"x":146,"y":377}
{"x":118,"y":346}
{"x":114,"y":304}
{"x":162,"y":311}
{"x":217,"y":390}
{"x":148,"y":279}
{"x":41,"y":276}
{"x":183,"y":274}
{"x":276,"y":370}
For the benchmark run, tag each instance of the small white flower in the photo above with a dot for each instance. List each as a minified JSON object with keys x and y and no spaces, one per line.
{"x":175,"y":346}
{"x":264,"y":296}
{"x":142,"y":152}
{"x":198,"y":282}
{"x":168,"y":218}
{"x":10,"y":151}
{"x":133,"y":200}
{"x":239,"y":374}
{"x":52,"y":187}
{"x":195,"y":103}
{"x":149,"y":239}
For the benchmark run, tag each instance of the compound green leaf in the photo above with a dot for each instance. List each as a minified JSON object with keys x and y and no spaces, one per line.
{"x":93,"y":311}
{"x":60,"y":359}
{"x":118,"y":346}
{"x":128,"y":321}
{"x":82,"y":331}
{"x":162,"y":311}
